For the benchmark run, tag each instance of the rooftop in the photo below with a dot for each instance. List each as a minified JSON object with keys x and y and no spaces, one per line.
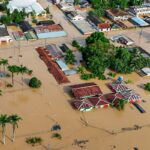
{"x":117,"y":12}
{"x":3,"y":31}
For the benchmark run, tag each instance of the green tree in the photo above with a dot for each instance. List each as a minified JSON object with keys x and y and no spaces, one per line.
{"x":3,"y":121}
{"x":13,"y":69}
{"x":23,"y":70}
{"x":4,"y":62}
{"x":120,"y":104}
{"x":69,"y":57}
{"x":35,"y":83}
{"x":147,"y":86}
{"x":14,"y":119}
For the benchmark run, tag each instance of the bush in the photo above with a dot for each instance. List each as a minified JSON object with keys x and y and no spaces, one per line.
{"x":57,"y":135}
{"x":34,"y":140}
{"x":86,"y":76}
{"x":111,"y":74}
{"x":75,"y":44}
{"x":147,"y":86}
{"x":34,"y":83}
{"x":9,"y":85}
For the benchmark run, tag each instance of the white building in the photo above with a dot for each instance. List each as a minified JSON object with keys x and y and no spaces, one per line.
{"x":146,"y":71}
{"x":27,"y":5}
{"x":4,"y":35}
{"x":73,"y":16}
{"x":141,"y":10}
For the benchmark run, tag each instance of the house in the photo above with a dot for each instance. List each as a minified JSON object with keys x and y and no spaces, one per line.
{"x":85,"y":90}
{"x":117,"y":14}
{"x":98,"y":24}
{"x":73,"y":16}
{"x":45,"y":22}
{"x":140,"y":22}
{"x":25,"y":26}
{"x":19,"y":35}
{"x":139,"y":10}
{"x":27,"y":5}
{"x":4,"y":35}
{"x":54,"y":51}
{"x":99,"y":101}
{"x":146,"y":71}
{"x":50,"y":31}
{"x":66,"y":6}
{"x":83,"y":105}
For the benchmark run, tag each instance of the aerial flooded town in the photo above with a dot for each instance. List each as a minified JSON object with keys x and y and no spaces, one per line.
{"x":74,"y":74}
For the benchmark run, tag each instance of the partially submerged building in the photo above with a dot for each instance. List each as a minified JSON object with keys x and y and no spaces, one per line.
{"x":27,"y":5}
{"x":50,"y":31}
{"x":117,"y":14}
{"x":4,"y":35}
{"x":98,"y":24}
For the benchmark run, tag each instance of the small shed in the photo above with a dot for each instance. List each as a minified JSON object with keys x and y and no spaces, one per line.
{"x":146,"y":71}
{"x":62,"y":65}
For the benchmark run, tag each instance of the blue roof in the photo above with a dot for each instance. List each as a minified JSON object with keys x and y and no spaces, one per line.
{"x":139,"y":21}
{"x":62,"y":65}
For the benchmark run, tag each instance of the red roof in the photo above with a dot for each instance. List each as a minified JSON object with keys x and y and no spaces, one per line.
{"x":104,"y":25}
{"x":82,"y":104}
{"x":52,"y":66}
{"x":98,"y":101}
{"x":85,"y":90}
{"x":113,"y":96}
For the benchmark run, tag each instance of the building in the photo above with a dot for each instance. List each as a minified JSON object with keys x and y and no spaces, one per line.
{"x":73,"y":16}
{"x":4,"y":35}
{"x":19,"y":35}
{"x":98,"y":24}
{"x":25,"y":26}
{"x":140,"y":22}
{"x":146,"y":71}
{"x":117,"y":14}
{"x":50,"y":31}
{"x":27,"y":5}
{"x":45,"y":22}
{"x":85,"y":90}
{"x":139,"y":10}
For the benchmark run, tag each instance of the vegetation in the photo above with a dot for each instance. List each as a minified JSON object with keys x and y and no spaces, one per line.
{"x":1,"y":92}
{"x":15,"y":17}
{"x":57,"y":135}
{"x":4,"y":120}
{"x":13,"y":120}
{"x":4,"y":62}
{"x":147,"y":86}
{"x":120,"y":104}
{"x":111,"y":74}
{"x":34,"y":141}
{"x":75,"y":44}
{"x":100,"y":54}
{"x":34,"y":83}
{"x":69,"y":57}
{"x":101,"y":5}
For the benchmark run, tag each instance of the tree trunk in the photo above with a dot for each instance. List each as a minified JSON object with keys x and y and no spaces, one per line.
{"x":13,"y":134}
{"x":3,"y":134}
{"x":12,"y":78}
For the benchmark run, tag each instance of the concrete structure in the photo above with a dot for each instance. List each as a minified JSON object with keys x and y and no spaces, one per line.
{"x":51,"y":31}
{"x":117,"y":14}
{"x":139,"y":10}
{"x":4,"y":35}
{"x":74,"y":16}
{"x":27,"y":5}
{"x":138,"y":21}
{"x":146,"y":71}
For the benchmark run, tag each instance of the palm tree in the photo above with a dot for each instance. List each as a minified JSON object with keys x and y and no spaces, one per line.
{"x":23,"y":70}
{"x":120,"y":104}
{"x":4,"y":62}
{"x":3,"y":121}
{"x":13,"y":69}
{"x":14,"y":119}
